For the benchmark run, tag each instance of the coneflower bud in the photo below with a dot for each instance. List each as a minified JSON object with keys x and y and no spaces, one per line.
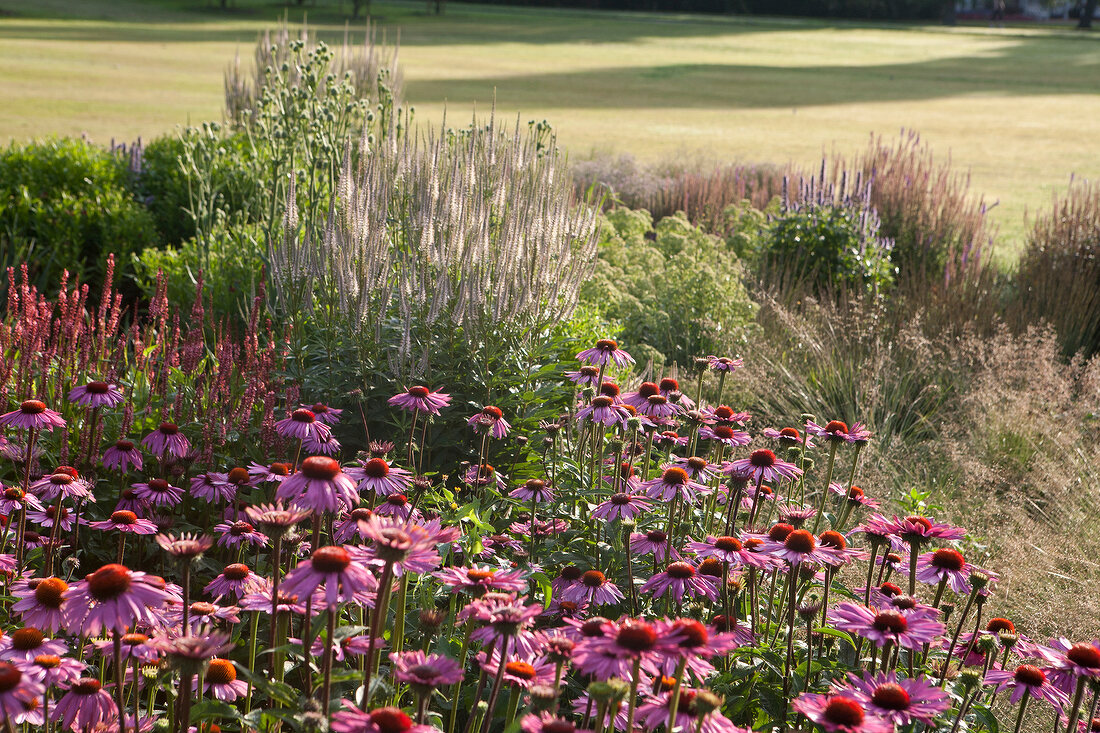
{"x":700,"y":363}
{"x":633,"y":424}
{"x":615,"y":446}
{"x":986,"y":644}
{"x":947,"y":609}
{"x":970,"y":679}
{"x":978,"y":580}
{"x":809,"y":609}
{"x":432,"y":618}
{"x":600,"y":691}
{"x":521,"y":440}
{"x":1009,"y":640}
{"x":706,"y":702}
{"x":793,"y":454}
{"x":808,"y":417}
{"x":587,"y":394}
{"x":544,"y":698}
{"x":315,"y":722}
{"x":808,"y":464}
{"x":619,"y":688}
{"x":627,"y":526}
{"x":547,"y":443}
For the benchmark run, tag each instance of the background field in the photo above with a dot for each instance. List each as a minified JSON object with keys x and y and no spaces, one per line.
{"x":1017,"y":106}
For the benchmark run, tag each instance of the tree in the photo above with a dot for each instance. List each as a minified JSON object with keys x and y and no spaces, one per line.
{"x":1085,"y":21}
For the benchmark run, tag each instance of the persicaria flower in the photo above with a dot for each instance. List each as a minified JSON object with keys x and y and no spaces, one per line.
{"x":605,"y":351}
{"x":32,"y":415}
{"x":96,"y":394}
{"x":420,"y":399}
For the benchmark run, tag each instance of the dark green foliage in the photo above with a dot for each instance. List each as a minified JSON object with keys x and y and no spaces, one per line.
{"x":675,"y":291}
{"x":828,"y":246}
{"x":66,"y":204}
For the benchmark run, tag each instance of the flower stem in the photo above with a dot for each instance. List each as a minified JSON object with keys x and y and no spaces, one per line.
{"x":633,"y":701}
{"x":380,"y":611}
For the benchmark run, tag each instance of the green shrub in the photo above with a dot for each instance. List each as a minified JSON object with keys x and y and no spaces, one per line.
{"x":227,"y":262}
{"x":675,"y":290}
{"x":66,"y":205}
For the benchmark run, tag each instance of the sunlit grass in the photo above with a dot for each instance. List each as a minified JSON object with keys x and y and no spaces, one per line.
{"x":1015,"y":106}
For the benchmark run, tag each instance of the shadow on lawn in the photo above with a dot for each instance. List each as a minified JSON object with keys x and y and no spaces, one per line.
{"x":1029,"y":67}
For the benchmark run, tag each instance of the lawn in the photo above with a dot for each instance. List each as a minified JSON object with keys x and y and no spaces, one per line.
{"x":1016,"y":106}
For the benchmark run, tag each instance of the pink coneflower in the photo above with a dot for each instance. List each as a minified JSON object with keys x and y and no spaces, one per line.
{"x":214,"y":487}
{"x":835,"y":431}
{"x":653,"y":542}
{"x":319,"y":486}
{"x":898,"y":700}
{"x":420,"y":399}
{"x":96,"y":394}
{"x":409,"y":546}
{"x":603,"y":352}
{"x":594,"y":588}
{"x":158,"y":492}
{"x":27,"y":643}
{"x":724,"y":363}
{"x":727,"y":549}
{"x":380,"y":720}
{"x":679,"y":579}
{"x":49,"y":488}
{"x":234,"y":534}
{"x":917,"y":530}
{"x":346,"y":528}
{"x":1071,"y":661}
{"x":608,"y":649}
{"x":221,"y":682}
{"x":303,"y":425}
{"x":1027,"y":680}
{"x":484,"y":475}
{"x":840,"y":714}
{"x":396,"y":505}
{"x":673,"y":481}
{"x":658,"y":408}
{"x":621,"y":506}
{"x":14,"y":500}
{"x":85,"y":706}
{"x":477,"y":581}
{"x":854,"y":496}
{"x":910,"y":629}
{"x":627,"y":478}
{"x":640,"y":397}
{"x":694,"y":642}
{"x":490,"y":420}
{"x":17,"y":691}
{"x":167,"y":440}
{"x":272,"y":473}
{"x":326,"y":445}
{"x":787,"y":437}
{"x":123,"y":456}
{"x":113,"y":597}
{"x":202,"y":614}
{"x":549,"y":723}
{"x":797,"y":548}
{"x":40,"y":603}
{"x":534,"y":489}
{"x":261,"y":601}
{"x":328,"y":415}
{"x":725,"y":435}
{"x":45,"y":517}
{"x":32,"y":415}
{"x":425,"y":672}
{"x":670,"y":390}
{"x":379,"y":476}
{"x":690,"y":716}
{"x":518,"y":671}
{"x":762,"y":465}
{"x":53,"y":670}
{"x":602,"y":410}
{"x":274,"y":519}
{"x":585,"y":376}
{"x":237,"y":580}
{"x":947,"y":565}
{"x":335,"y":569}
{"x":697,"y":468}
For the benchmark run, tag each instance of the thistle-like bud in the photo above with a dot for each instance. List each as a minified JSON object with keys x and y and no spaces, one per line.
{"x":969,"y":679}
{"x":701,"y":363}
{"x":600,"y":692}
{"x":978,"y":581}
{"x":986,"y":644}
{"x":1009,"y":640}
{"x":633,"y":424}
{"x":544,"y":698}
{"x":707,"y":702}
{"x":619,"y":689}
{"x":432,"y":618}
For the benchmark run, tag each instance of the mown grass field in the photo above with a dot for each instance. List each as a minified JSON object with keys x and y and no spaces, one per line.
{"x":1017,"y":106}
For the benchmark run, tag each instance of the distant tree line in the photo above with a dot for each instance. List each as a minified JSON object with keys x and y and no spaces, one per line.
{"x":878,"y":9}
